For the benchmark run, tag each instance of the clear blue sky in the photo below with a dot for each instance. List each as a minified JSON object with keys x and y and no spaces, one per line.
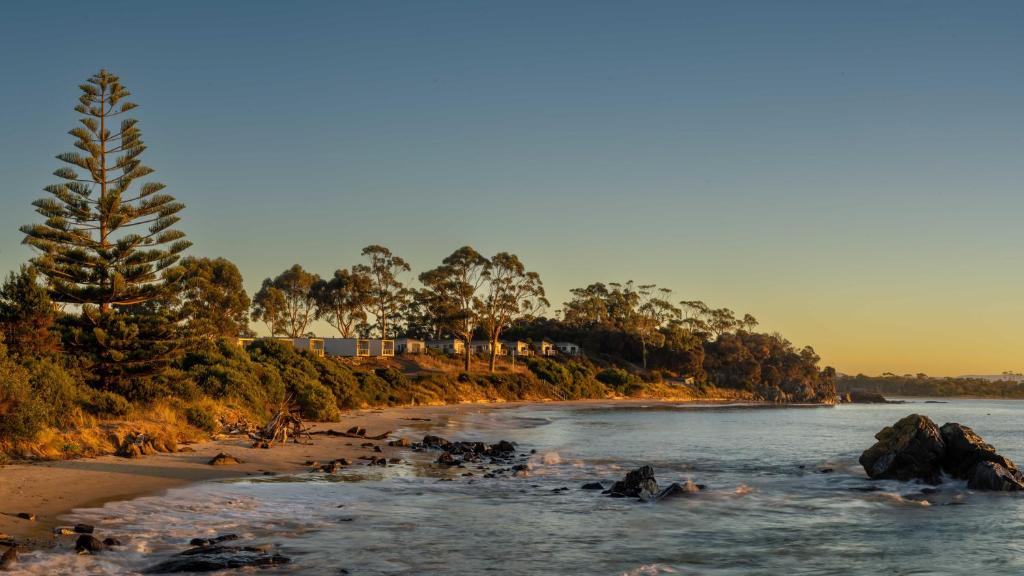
{"x":848,"y":172}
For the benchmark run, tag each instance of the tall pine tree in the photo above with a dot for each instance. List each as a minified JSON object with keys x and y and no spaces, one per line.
{"x":109,"y":248}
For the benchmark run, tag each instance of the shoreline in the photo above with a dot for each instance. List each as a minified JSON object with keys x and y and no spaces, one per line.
{"x":52,"y":489}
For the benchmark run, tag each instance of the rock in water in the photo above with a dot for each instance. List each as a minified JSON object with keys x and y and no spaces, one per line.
{"x":639,"y":483}
{"x":9,"y":559}
{"x":910,"y":449}
{"x":965,"y":450}
{"x":213,"y":558}
{"x":677,"y":489}
{"x":88,"y":544}
{"x":592,"y":486}
{"x":993,"y":476}
{"x":224,"y":459}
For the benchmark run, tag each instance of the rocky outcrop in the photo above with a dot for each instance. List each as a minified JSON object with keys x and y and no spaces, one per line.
{"x":909,"y":449}
{"x":861,"y":397}
{"x":916,"y":449}
{"x":641,"y":483}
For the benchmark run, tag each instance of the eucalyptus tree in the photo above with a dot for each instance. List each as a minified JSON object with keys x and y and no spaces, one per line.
{"x":342,"y":301}
{"x":287,"y":303}
{"x":511,"y":294}
{"x":388,"y":295}
{"x":108,"y":246}
{"x":652,"y":313}
{"x":455,"y":287}
{"x":213,"y":300}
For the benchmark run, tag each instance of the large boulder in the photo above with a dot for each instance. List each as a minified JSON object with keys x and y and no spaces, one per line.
{"x":910,"y":449}
{"x":639,"y":483}
{"x":965,"y":450}
{"x":993,"y":476}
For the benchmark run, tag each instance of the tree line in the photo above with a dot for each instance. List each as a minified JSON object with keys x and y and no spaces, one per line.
{"x":111,"y":298}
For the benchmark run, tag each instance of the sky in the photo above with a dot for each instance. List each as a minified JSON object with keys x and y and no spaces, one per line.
{"x":850,"y":173}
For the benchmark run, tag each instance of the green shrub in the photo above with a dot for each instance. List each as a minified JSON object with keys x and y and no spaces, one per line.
{"x":202,"y":417}
{"x":615,"y":377}
{"x":316,"y":401}
{"x":56,"y":390}
{"x":22,"y":415}
{"x":106,"y":404}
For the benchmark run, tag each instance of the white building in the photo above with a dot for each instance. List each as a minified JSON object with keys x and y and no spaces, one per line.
{"x":484,"y":347}
{"x":452,"y":346}
{"x":410,"y":346}
{"x":379,"y":347}
{"x":517,"y":348}
{"x":544,"y":348}
{"x":346,"y":347}
{"x":568,"y":348}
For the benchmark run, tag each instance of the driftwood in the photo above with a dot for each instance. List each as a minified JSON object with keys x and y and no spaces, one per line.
{"x":353,"y":432}
{"x":286,"y":421}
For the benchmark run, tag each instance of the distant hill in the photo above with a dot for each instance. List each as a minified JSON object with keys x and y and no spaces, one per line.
{"x":981,"y":386}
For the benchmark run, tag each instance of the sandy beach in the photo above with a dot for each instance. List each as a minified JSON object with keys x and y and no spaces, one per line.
{"x":50,"y":489}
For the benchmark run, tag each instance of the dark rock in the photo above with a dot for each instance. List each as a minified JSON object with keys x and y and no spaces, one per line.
{"x":435,"y":442}
{"x":504,"y":447}
{"x":676,"y":489}
{"x":88,"y":544}
{"x":592,"y":486}
{"x":446,"y":459}
{"x":353,"y":430}
{"x":331,"y":468}
{"x":400,"y":443}
{"x":344,"y":461}
{"x":910,"y":449}
{"x":108,"y":542}
{"x":212,"y":541}
{"x":9,"y":558}
{"x":311,"y":463}
{"x":26,"y":516}
{"x":965,"y":450}
{"x":378,"y":449}
{"x":860,"y":397}
{"x":395,"y":461}
{"x":826,"y":470}
{"x":993,"y":476}
{"x":224,"y":459}
{"x":639,"y":483}
{"x":213,"y":558}
{"x":83,"y":529}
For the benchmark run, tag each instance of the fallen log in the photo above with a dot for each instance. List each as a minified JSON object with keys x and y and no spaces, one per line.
{"x":332,"y":432}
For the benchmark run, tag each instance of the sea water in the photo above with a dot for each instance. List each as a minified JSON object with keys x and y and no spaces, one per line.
{"x":784,"y":495}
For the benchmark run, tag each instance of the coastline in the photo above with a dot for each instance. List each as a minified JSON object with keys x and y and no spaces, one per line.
{"x":52,"y":489}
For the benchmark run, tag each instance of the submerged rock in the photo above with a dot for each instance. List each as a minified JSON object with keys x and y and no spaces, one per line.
{"x":676,"y":489}
{"x":88,"y":544}
{"x":592,"y":486}
{"x":9,"y":558}
{"x":213,"y":558}
{"x":909,"y":449}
